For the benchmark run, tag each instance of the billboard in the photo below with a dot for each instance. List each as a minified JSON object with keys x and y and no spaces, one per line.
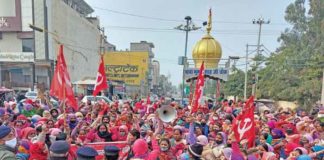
{"x":16,"y":57}
{"x":129,"y":67}
{"x":221,"y":73}
{"x":10,"y":15}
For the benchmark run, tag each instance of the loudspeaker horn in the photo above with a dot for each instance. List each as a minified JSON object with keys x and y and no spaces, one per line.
{"x":167,"y":113}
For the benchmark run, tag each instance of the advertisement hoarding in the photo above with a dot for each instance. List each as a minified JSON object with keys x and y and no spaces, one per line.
{"x":221,"y":73}
{"x":16,"y":57}
{"x":10,"y":15}
{"x":129,"y":67}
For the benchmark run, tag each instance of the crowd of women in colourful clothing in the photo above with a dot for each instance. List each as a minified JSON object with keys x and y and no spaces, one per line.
{"x":207,"y":134}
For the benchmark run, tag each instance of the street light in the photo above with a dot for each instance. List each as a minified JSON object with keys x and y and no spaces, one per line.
{"x":42,"y":30}
{"x":187,"y":28}
{"x":56,"y":38}
{"x":35,"y":28}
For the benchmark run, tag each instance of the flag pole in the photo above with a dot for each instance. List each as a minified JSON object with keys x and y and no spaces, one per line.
{"x":64,"y":107}
{"x":194,"y":96}
{"x":191,"y":94}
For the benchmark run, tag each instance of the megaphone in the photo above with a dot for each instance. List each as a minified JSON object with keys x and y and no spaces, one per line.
{"x":167,"y":113}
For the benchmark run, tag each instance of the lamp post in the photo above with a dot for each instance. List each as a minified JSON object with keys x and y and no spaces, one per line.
{"x":35,"y":28}
{"x":187,"y":28}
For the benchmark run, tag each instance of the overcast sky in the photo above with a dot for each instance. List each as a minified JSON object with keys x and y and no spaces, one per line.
{"x":127,"y":21}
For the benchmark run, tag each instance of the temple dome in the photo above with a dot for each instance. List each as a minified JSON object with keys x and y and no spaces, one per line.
{"x":207,"y":49}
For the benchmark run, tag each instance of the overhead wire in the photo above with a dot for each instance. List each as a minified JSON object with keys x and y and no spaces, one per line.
{"x":173,"y":20}
{"x":225,"y":32}
{"x":136,"y":15}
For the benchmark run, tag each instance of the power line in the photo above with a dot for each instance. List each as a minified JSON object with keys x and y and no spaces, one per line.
{"x":151,"y":29}
{"x":174,"y":20}
{"x":140,"y":16}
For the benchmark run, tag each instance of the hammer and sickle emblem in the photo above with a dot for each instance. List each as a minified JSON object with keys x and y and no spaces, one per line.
{"x":99,"y":78}
{"x":68,"y":82}
{"x":59,"y":78}
{"x":245,"y":127}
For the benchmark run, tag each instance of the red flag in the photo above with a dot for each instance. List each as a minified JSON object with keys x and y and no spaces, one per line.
{"x":199,"y":88}
{"x":61,"y":86}
{"x":243,"y":124}
{"x":101,"y":82}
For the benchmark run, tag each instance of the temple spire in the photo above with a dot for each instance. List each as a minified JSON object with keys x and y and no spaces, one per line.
{"x":209,"y":23}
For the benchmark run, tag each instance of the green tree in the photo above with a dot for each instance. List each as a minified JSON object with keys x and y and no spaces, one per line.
{"x":294,"y":72}
{"x":235,"y":84}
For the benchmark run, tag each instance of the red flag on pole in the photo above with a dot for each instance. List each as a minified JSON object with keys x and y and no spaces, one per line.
{"x":199,"y":88}
{"x":61,"y":86}
{"x":101,"y":81}
{"x":243,"y":124}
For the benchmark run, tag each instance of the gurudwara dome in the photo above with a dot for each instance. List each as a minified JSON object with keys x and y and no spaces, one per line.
{"x":207,"y":49}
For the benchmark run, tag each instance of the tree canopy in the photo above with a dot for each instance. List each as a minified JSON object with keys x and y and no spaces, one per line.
{"x":294,"y":71}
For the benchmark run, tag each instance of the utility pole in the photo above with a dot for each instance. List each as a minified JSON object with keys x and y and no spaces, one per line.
{"x":322,"y":95}
{"x":248,"y":52}
{"x":33,"y":64}
{"x":103,"y":38}
{"x":260,"y":22}
{"x":187,"y":28}
{"x":246,"y":70}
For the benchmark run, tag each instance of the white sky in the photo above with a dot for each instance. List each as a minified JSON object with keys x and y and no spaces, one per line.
{"x":232,"y":26}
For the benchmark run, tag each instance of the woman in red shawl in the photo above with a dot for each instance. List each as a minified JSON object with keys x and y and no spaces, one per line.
{"x":38,"y":151}
{"x":289,"y":147}
{"x":120,"y":134}
{"x":165,"y":148}
{"x":178,"y":143}
{"x":123,"y":120}
{"x":24,"y":120}
{"x":100,"y":134}
{"x":28,"y":133}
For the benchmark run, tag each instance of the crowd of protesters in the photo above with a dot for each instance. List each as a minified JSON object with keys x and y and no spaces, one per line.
{"x":32,"y":130}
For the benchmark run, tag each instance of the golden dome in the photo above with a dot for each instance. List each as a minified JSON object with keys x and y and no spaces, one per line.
{"x":207,"y":49}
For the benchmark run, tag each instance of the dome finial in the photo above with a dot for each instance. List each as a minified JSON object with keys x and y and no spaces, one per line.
{"x":209,"y":23}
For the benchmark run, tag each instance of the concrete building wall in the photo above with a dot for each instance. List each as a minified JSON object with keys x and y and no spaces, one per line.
{"x":81,"y":40}
{"x":26,"y":14}
{"x":156,"y":72}
{"x":39,"y":17}
{"x":67,"y":23}
{"x":145,"y":46}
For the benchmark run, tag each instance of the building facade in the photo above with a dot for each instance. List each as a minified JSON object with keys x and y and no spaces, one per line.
{"x":146,"y":46}
{"x":133,"y":57}
{"x":16,"y":43}
{"x":155,"y":76}
{"x":64,"y":22}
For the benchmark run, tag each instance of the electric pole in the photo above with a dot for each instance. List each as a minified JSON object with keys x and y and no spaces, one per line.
{"x":246,"y":70}
{"x":189,"y":26}
{"x":247,"y":52}
{"x":102,"y":48}
{"x":322,"y":95}
{"x":260,"y":22}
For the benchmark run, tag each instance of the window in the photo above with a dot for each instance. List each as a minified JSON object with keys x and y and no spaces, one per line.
{"x":28,"y":45}
{"x":27,"y":78}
